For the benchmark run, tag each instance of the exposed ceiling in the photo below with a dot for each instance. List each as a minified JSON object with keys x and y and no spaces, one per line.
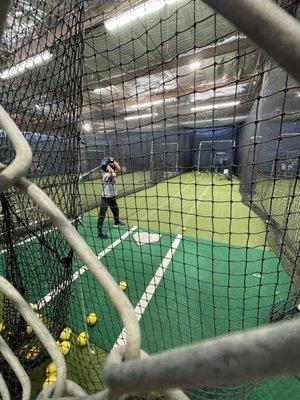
{"x":149,"y":74}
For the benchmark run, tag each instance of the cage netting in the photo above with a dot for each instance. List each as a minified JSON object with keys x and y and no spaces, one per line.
{"x":205,"y":127}
{"x":40,"y":84}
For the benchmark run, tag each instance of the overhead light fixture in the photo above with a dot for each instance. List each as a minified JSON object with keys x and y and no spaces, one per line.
{"x":205,"y":121}
{"x":134,"y":13}
{"x":26,"y":65}
{"x":224,"y":91}
{"x":141,"y":116}
{"x":151,"y":103}
{"x":87,"y":127}
{"x":99,"y":90}
{"x":194,"y":65}
{"x":217,"y":106}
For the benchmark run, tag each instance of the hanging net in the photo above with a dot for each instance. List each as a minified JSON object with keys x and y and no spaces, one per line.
{"x":205,"y":129}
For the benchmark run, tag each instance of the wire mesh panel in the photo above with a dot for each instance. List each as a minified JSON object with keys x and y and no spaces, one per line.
{"x":171,"y":141}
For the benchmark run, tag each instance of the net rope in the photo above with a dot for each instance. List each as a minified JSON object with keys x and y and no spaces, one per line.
{"x":205,"y":127}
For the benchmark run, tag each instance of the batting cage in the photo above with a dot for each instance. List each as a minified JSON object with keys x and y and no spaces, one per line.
{"x":150,"y":199}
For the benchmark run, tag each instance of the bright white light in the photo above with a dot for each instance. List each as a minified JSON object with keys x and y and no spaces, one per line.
{"x":205,"y":121}
{"x":217,"y":106}
{"x":141,"y":116}
{"x":194,"y":65}
{"x":99,"y":90}
{"x":219,"y":92}
{"x":134,"y":13}
{"x":151,"y":103}
{"x":43,"y":107}
{"x":30,"y":63}
{"x":87,"y":127}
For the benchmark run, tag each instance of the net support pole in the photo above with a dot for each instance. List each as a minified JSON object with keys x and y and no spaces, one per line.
{"x":22,"y":161}
{"x":4,"y":393}
{"x":269,"y":26}
{"x":17,"y":368}
{"x":254,"y":355}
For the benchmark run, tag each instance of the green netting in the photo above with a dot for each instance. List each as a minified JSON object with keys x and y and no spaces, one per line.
{"x":205,"y":128}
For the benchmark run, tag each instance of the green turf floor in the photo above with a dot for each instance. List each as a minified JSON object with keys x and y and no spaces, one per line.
{"x":222,"y":277}
{"x":204,"y":293}
{"x":208,"y":206}
{"x":199,"y":297}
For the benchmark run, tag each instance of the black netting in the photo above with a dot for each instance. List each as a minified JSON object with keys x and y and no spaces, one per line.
{"x":205,"y":129}
{"x":40,"y":87}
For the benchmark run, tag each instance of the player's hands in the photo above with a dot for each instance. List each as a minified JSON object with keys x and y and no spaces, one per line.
{"x":117,"y":166}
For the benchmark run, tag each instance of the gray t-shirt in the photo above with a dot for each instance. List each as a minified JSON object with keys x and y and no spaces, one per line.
{"x":109,"y":185}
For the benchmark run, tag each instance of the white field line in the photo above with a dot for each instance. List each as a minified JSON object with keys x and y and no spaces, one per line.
{"x":151,"y":288}
{"x":35,"y":236}
{"x":50,"y":296}
{"x":30,"y":239}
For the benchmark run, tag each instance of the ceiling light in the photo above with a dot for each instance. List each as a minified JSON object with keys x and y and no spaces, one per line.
{"x":194,"y":65}
{"x":26,"y":65}
{"x":231,"y":90}
{"x":99,"y":90}
{"x":141,"y":116}
{"x":134,"y":13}
{"x":205,"y":121}
{"x":151,"y":103}
{"x":217,"y":106}
{"x":87,"y":126}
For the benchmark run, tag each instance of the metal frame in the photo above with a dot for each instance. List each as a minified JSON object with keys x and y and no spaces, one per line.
{"x":153,"y":154}
{"x":209,"y":141}
{"x":251,"y":355}
{"x":176,"y":152}
{"x":256,"y":354}
{"x":42,"y":333}
{"x":268,"y":25}
{"x":22,"y":161}
{"x":17,"y":367}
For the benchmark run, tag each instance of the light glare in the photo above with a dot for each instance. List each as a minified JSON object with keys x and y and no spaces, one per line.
{"x":87,"y":127}
{"x":151,"y":103}
{"x":141,"y":116}
{"x":30,"y":63}
{"x":194,"y":65}
{"x":136,"y":12}
{"x":217,"y":106}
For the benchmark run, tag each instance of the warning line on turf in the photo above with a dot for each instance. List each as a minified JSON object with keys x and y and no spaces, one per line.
{"x":151,"y":288}
{"x":63,"y":285}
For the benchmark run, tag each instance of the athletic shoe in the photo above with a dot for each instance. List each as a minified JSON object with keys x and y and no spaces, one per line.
{"x":103,"y":235}
{"x":119,"y":225}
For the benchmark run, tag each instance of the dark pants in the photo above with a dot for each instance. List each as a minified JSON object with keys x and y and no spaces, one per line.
{"x":106,"y":202}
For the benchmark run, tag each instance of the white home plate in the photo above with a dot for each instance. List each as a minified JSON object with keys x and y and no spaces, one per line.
{"x":146,"y":238}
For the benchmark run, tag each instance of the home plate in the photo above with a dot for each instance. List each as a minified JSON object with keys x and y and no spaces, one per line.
{"x":146,"y":238}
